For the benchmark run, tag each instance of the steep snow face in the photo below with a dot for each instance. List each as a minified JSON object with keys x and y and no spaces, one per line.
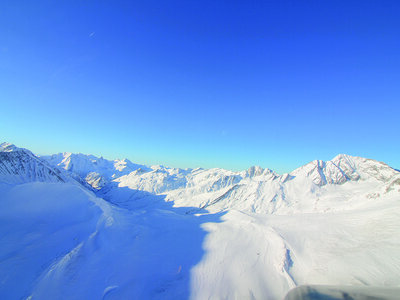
{"x":345,"y":168}
{"x":368,"y":168}
{"x":256,"y":171}
{"x":347,"y":165}
{"x":18,"y":165}
{"x":322,"y":173}
{"x":90,"y":169}
{"x":95,"y":180}
{"x":7,"y":147}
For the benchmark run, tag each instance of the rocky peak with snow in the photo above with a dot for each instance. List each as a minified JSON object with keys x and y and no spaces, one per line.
{"x":344,"y":168}
{"x":19,"y":165}
{"x":7,"y":147}
{"x":92,"y":170}
{"x":254,"y":190}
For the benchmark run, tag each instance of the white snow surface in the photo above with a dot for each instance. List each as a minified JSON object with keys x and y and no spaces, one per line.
{"x":91,"y":169}
{"x":126,"y":231}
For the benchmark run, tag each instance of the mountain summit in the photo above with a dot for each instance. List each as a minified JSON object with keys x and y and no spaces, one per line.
{"x":19,"y":165}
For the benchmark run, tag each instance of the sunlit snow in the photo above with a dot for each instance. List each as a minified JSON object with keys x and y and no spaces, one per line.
{"x":75,"y":226}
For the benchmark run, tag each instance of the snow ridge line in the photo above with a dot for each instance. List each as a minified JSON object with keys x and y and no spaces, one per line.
{"x":216,"y":200}
{"x":56,"y":268}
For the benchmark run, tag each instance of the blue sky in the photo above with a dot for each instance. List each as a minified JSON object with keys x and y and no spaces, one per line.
{"x":202,"y":83}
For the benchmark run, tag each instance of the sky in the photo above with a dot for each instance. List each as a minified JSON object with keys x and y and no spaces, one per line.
{"x":226,"y":84}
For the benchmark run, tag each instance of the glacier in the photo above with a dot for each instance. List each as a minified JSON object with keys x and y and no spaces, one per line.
{"x":75,"y":226}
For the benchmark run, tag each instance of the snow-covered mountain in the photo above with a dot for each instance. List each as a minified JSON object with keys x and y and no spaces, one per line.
{"x":18,"y":165}
{"x":320,"y":185}
{"x":76,"y":226}
{"x":90,"y":169}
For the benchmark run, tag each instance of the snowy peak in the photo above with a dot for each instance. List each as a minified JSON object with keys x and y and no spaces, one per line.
{"x":344,"y":168}
{"x":7,"y":147}
{"x":83,"y":164}
{"x":364,"y":168}
{"x":257,"y":171}
{"x":347,"y":164}
{"x":77,"y":163}
{"x":19,"y":165}
{"x":254,"y":171}
{"x":253,"y":190}
{"x":92,"y":170}
{"x":321,"y":173}
{"x":124,"y":164}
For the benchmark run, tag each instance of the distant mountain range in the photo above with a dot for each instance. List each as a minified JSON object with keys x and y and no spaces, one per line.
{"x":75,"y":226}
{"x":316,"y":186}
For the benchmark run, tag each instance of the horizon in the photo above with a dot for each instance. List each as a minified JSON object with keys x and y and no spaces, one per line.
{"x":209,"y":84}
{"x":190,"y":168}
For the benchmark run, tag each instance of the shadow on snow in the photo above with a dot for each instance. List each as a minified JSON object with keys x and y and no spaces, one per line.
{"x":161,"y":244}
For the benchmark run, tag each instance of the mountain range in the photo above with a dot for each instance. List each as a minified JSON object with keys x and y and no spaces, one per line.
{"x":76,"y":226}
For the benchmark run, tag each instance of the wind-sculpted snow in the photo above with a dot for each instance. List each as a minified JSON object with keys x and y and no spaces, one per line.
{"x":139,"y":232}
{"x":61,"y":242}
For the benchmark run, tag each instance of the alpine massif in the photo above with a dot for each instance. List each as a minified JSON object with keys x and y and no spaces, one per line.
{"x":76,"y":226}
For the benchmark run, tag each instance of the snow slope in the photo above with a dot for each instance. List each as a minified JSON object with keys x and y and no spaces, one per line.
{"x":61,"y":242}
{"x":252,"y":256}
{"x":19,"y":165}
{"x":168,"y":233}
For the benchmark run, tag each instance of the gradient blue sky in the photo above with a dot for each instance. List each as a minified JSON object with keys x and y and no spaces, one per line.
{"x":202,"y":83}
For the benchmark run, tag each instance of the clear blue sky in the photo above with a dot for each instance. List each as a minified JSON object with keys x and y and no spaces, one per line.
{"x":202,"y":83}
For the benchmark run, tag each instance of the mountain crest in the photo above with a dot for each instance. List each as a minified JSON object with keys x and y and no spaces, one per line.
{"x":19,"y":165}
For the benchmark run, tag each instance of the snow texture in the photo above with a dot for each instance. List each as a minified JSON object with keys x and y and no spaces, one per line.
{"x":75,"y":226}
